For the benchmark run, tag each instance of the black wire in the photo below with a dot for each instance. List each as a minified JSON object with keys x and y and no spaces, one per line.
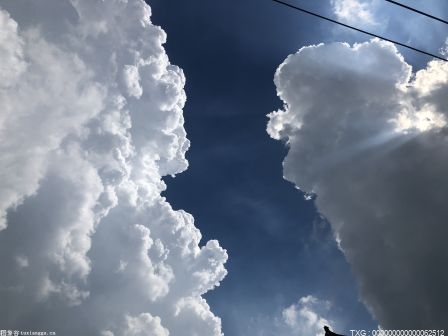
{"x":359,"y":30}
{"x":417,"y":11}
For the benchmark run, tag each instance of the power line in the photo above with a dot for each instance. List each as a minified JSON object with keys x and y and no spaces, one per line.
{"x":417,"y":11}
{"x":359,"y":30}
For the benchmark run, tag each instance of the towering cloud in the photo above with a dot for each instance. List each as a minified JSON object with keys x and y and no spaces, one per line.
{"x":369,"y":138}
{"x":91,"y":121}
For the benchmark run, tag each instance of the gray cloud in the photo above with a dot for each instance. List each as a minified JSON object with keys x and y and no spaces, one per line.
{"x":91,"y":121}
{"x":369,"y":138}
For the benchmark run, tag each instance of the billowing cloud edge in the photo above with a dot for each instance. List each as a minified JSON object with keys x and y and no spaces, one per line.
{"x":368,"y":137}
{"x":91,"y":121}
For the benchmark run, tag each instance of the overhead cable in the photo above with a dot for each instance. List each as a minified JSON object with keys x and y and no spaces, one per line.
{"x":417,"y":11}
{"x":359,"y":30}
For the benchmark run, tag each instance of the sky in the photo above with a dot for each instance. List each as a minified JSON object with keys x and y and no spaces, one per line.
{"x":208,"y":168}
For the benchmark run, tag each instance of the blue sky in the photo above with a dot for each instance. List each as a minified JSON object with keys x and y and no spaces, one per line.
{"x":280,"y":248}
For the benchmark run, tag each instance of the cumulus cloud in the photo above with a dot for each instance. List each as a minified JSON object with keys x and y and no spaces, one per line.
{"x":144,"y":324}
{"x":91,"y":121}
{"x":369,"y":138}
{"x":305,"y":316}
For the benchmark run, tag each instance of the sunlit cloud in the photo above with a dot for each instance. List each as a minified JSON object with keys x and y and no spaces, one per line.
{"x":91,"y":121}
{"x":368,"y":138}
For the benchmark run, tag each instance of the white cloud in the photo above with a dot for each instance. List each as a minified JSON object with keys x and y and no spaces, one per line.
{"x":444,"y":49}
{"x":144,"y":324}
{"x":91,"y":121}
{"x":380,"y":181}
{"x":304,"y":317}
{"x":11,"y":51}
{"x":355,"y":11}
{"x":395,"y":22}
{"x":307,"y":316}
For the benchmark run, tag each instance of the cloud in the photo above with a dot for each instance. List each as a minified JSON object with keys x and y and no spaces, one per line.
{"x":355,"y":12}
{"x":368,"y":137}
{"x":307,"y":316}
{"x":91,"y":121}
{"x":394,"y":22}
{"x":144,"y":324}
{"x":304,"y":317}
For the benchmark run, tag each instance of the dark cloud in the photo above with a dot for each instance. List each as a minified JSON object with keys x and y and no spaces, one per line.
{"x":372,"y":144}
